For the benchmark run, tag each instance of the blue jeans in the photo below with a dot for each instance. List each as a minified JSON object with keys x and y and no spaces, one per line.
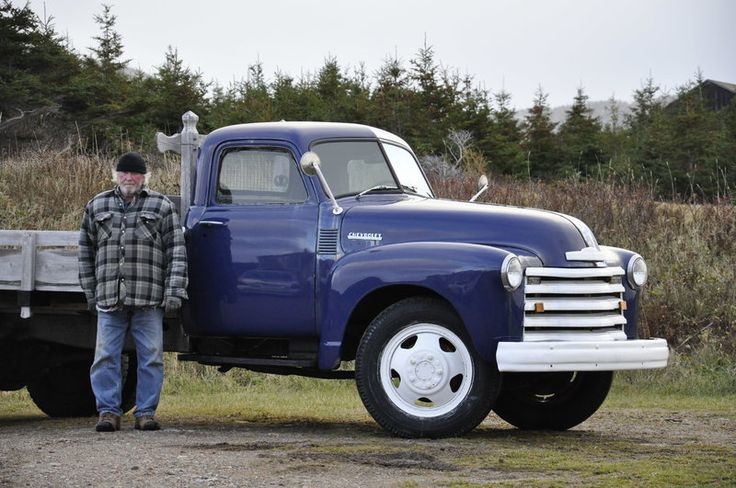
{"x":146,"y":327}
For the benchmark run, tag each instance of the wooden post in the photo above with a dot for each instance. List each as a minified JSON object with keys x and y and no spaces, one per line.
{"x":189,"y":146}
{"x":187,"y":143}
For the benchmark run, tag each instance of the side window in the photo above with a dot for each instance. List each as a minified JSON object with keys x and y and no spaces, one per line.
{"x":259,"y":176}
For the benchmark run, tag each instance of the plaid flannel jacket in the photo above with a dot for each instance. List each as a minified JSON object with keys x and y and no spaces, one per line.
{"x":131,"y":257}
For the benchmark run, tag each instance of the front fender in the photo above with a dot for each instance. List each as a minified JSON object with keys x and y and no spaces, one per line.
{"x":466,"y":275}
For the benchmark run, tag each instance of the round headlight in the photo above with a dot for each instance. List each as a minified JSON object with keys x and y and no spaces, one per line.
{"x":637,"y":272}
{"x":511,"y":272}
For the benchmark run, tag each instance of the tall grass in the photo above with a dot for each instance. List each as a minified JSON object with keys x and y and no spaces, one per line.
{"x":44,"y":190}
{"x":690,"y":249}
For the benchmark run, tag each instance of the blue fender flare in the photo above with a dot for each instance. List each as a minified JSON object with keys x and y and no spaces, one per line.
{"x":467,"y":276}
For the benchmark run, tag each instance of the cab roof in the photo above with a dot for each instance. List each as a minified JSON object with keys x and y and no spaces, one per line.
{"x":301,"y":134}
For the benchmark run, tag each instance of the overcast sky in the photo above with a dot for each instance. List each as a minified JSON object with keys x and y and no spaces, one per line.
{"x":606,"y":46}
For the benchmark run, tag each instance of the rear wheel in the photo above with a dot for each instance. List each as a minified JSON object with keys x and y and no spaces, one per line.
{"x":555,"y":401}
{"x":418,"y":373}
{"x":65,"y":391}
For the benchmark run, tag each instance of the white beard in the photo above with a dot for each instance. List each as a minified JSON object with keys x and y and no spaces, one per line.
{"x":130,"y":191}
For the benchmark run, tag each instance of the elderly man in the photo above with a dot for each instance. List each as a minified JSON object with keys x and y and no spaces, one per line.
{"x":132,"y":266}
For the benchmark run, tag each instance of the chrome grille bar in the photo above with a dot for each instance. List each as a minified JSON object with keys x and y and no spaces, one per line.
{"x":563,"y":304}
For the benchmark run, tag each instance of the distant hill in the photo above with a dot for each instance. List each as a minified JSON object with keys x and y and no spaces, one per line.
{"x":600,"y":110}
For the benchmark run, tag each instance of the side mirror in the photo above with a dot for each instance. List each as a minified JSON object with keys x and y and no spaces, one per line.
{"x":482,"y":187}
{"x":311,"y":166}
{"x":482,"y":182}
{"x":309,"y":163}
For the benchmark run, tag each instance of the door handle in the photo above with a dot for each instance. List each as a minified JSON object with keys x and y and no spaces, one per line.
{"x":212,"y":223}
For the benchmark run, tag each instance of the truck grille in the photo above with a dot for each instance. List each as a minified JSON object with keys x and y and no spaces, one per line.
{"x":574,"y":304}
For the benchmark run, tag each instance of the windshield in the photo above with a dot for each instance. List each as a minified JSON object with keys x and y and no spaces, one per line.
{"x":355,"y":167}
{"x":406,"y":168}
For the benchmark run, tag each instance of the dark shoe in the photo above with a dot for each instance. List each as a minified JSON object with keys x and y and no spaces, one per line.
{"x":146,"y":422}
{"x":108,"y":422}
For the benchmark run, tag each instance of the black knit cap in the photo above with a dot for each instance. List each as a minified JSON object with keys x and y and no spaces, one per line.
{"x":131,"y":162}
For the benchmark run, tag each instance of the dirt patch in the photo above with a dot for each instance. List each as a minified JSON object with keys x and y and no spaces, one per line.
{"x":372,"y":456}
{"x":250,"y":446}
{"x":628,"y":448}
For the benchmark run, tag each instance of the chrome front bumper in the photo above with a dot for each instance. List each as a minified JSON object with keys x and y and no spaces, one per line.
{"x":545,"y":356}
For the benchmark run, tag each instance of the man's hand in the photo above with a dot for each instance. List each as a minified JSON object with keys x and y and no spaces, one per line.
{"x":92,"y":305}
{"x":172,"y":305}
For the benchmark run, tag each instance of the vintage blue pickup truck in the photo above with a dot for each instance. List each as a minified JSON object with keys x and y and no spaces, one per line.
{"x":316,"y":246}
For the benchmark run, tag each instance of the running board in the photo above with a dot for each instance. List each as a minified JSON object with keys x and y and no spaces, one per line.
{"x":300,"y":367}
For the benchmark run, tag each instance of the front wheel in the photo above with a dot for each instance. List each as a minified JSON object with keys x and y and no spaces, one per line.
{"x":419,"y":375}
{"x":554,"y":401}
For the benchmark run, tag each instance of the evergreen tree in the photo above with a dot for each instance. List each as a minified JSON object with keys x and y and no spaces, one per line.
{"x":391,"y":100}
{"x":100,"y":96}
{"x":331,"y":91}
{"x":579,"y":137}
{"x":356,"y":107}
{"x":726,"y":165}
{"x":173,"y":90}
{"x":645,"y":105}
{"x":109,"y":49}
{"x":35,"y":68}
{"x":648,"y":136}
{"x":254,"y":101}
{"x":540,"y":142}
{"x":472,"y":112}
{"x":502,"y":145}
{"x":311,"y":104}
{"x":286,"y":98}
{"x":431,"y":104}
{"x":613,"y":137}
{"x":694,"y":149}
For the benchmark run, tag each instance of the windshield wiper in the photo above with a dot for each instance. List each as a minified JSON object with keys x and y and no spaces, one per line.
{"x":411,"y":189}
{"x":375,"y":188}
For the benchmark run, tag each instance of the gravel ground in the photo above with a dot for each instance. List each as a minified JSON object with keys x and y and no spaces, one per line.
{"x":42,"y":452}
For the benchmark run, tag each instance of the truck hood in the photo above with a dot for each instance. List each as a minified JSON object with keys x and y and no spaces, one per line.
{"x":380,"y":221}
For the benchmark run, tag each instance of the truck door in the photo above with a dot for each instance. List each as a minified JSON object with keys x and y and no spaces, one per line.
{"x":252,"y":253}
